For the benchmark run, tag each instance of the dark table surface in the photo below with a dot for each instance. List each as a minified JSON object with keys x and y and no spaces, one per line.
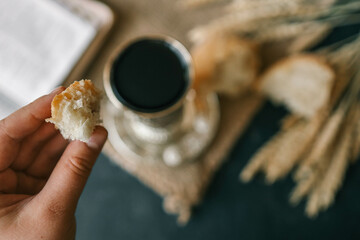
{"x":115,"y":205}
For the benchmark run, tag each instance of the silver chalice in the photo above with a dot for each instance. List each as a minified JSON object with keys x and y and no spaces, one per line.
{"x":151,"y":112}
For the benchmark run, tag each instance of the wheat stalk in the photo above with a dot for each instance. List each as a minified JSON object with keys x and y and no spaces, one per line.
{"x":321,"y":144}
{"x":244,"y":22}
{"x":343,"y":77}
{"x":306,"y":185}
{"x":345,"y":8}
{"x":244,"y":6}
{"x":251,"y":5}
{"x":289,"y":121}
{"x":315,"y":200}
{"x":355,"y":152}
{"x":355,"y":149}
{"x":256,"y":16}
{"x":325,"y":191}
{"x":312,"y":205}
{"x":259,"y":160}
{"x":285,"y":30}
{"x":196,"y":3}
{"x":314,"y":34}
{"x":284,"y":154}
{"x":336,"y":173}
{"x":295,"y":142}
{"x":302,"y":188}
{"x":345,"y":63}
{"x":312,"y":183}
{"x":342,"y":54}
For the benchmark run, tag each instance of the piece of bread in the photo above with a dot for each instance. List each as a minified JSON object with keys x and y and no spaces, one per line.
{"x":225,"y":64}
{"x":75,"y":111}
{"x":302,"y":83}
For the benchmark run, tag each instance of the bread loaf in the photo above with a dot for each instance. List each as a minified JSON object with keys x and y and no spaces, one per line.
{"x":225,"y":64}
{"x":302,"y":83}
{"x":75,"y":111}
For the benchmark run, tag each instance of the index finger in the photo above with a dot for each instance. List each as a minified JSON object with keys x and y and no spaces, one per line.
{"x":28,"y":119}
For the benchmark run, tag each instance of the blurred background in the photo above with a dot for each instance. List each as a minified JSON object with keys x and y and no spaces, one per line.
{"x":116,"y":205}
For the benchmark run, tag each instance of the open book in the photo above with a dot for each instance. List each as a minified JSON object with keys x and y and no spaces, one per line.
{"x":45,"y":42}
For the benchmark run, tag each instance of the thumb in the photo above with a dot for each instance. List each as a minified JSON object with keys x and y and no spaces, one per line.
{"x":67,"y":181}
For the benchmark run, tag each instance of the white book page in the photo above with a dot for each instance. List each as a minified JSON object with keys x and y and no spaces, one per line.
{"x":40,"y":42}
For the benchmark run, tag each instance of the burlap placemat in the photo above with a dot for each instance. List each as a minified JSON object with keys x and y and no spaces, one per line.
{"x":184,"y":186}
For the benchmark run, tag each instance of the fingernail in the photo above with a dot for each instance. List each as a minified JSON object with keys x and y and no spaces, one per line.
{"x":98,"y":138}
{"x":56,"y":90}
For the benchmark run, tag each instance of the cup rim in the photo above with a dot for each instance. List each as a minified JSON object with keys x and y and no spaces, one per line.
{"x":120,"y":103}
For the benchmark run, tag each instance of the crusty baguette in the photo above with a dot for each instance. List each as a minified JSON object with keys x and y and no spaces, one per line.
{"x":302,"y":83}
{"x":225,"y":64}
{"x":75,"y":111}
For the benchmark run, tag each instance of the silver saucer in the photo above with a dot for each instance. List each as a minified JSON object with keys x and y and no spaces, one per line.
{"x":189,"y":133}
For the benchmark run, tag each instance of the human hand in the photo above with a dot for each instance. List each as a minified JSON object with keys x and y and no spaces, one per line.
{"x":41,"y":174}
